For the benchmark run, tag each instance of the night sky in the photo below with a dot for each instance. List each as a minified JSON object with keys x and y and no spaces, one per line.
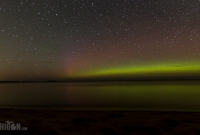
{"x":70,"y":39}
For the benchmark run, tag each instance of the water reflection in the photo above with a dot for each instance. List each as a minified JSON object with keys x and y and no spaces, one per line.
{"x":160,"y":95}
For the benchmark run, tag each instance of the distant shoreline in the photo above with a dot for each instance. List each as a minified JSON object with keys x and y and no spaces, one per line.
{"x":54,"y":81}
{"x":94,"y":109}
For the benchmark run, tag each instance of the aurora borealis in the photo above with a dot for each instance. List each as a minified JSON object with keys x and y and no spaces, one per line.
{"x":115,"y":39}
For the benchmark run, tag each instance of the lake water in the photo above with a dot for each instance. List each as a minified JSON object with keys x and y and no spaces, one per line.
{"x":136,"y":95}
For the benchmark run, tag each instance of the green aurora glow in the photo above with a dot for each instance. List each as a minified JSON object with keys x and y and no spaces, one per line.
{"x":108,"y":40}
{"x":184,"y":70}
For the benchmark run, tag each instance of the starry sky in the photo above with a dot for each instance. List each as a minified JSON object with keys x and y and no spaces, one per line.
{"x":70,"y":39}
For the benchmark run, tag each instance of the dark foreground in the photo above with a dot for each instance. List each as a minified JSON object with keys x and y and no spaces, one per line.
{"x":102,"y":122}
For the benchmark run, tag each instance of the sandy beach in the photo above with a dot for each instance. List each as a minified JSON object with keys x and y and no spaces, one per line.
{"x":40,"y":121}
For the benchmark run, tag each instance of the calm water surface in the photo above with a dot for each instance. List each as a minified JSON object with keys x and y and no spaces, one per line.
{"x":137,"y":95}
